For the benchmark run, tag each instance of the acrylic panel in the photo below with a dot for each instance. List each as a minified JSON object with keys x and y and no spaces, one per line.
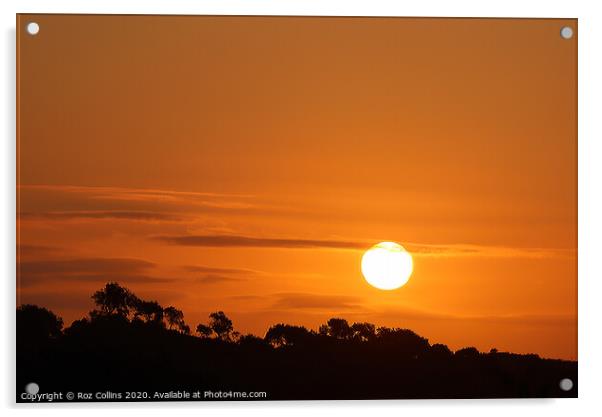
{"x":295,"y":208}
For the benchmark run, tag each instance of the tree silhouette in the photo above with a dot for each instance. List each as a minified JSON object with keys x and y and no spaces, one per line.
{"x":151,"y":311}
{"x":221,"y":325}
{"x":287,"y":335}
{"x":467,"y":352}
{"x":204,"y":331}
{"x":252,"y":341}
{"x":404,"y":341}
{"x":363,"y":331}
{"x":337,"y":328}
{"x":175,"y":319}
{"x":114,"y":299}
{"x":439,"y":350}
{"x":37,"y":324}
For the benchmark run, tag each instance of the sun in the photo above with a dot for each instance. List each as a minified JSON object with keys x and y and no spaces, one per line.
{"x":387,"y":266}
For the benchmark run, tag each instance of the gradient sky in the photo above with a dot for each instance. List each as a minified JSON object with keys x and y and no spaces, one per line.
{"x":244,"y":164}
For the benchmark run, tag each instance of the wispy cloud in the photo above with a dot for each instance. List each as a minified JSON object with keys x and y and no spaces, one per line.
{"x":256,"y":242}
{"x":215,"y":279}
{"x":404,"y":313}
{"x":31,"y":251}
{"x":87,"y":270}
{"x":217,"y":275}
{"x":103,"y":214}
{"x":86,"y":265}
{"x":64,"y":203}
{"x":208,"y":199}
{"x":111,"y":191}
{"x":468,"y":250}
{"x":217,"y":270}
{"x":247,"y":297}
{"x":416,"y":249}
{"x":315,"y":301}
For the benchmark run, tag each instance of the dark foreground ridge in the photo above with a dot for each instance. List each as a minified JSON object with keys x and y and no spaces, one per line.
{"x":130,"y":349}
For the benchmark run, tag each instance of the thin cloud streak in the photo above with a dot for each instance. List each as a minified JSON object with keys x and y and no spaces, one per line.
{"x":416,"y":249}
{"x":87,"y":270}
{"x":206,"y":199}
{"x":256,"y":242}
{"x":108,"y":191}
{"x":31,"y":251}
{"x":28,"y":280}
{"x":103,"y":214}
{"x":215,"y":279}
{"x":466,"y":250}
{"x":85,"y":265}
{"x":181,"y":205}
{"x":217,"y":270}
{"x":315,"y":301}
{"x":407,"y":313}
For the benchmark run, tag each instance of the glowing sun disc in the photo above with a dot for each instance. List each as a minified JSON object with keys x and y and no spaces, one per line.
{"x":387,"y":266}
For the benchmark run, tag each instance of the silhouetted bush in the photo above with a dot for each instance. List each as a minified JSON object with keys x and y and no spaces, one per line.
{"x":287,"y":335}
{"x":467,"y":352}
{"x":36,"y":325}
{"x":440,"y":351}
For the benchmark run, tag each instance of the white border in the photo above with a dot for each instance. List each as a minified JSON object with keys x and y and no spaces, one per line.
{"x":590,"y":207}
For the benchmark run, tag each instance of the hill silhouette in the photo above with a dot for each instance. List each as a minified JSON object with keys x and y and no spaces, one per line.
{"x":130,"y":345}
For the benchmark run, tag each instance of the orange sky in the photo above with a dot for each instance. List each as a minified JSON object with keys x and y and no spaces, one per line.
{"x":245,"y":163}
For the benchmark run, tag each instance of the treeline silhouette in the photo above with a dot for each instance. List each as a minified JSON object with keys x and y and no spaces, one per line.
{"x":127,"y":344}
